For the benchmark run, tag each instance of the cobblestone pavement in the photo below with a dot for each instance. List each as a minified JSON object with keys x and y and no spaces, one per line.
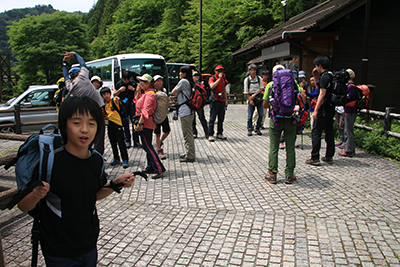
{"x":219,"y":211}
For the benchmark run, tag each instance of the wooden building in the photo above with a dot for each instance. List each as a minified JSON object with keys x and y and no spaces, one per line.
{"x":357,"y":34}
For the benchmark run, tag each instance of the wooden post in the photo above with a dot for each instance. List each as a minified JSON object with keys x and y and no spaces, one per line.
{"x":388,"y":120}
{"x":17,"y":116}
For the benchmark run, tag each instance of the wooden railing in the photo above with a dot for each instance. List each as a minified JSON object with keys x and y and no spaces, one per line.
{"x":236,"y":98}
{"x":387,"y":115}
{"x":17,"y":116}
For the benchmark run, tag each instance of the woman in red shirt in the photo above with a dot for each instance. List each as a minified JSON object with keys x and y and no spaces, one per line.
{"x":145,"y":107}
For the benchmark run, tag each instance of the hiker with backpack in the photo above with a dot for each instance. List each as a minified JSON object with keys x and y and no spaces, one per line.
{"x":126,"y":89}
{"x":350,"y":115}
{"x":183,"y":91}
{"x":253,"y":88}
{"x":145,"y":108}
{"x":200,"y":112}
{"x":115,"y":127}
{"x":158,"y":84}
{"x":66,"y":205}
{"x":218,"y":102}
{"x":265,"y":80}
{"x":323,"y":114}
{"x":281,"y":98}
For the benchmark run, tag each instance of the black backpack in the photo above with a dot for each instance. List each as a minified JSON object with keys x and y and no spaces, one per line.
{"x":338,"y":94}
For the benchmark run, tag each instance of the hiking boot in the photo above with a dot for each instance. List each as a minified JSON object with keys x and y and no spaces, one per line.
{"x":346,"y":154}
{"x":342,"y":146}
{"x":161,"y":154}
{"x":115,"y":162}
{"x":281,"y":146}
{"x":327,"y":160}
{"x":138,"y":145}
{"x":221,"y":137}
{"x":211,"y":138}
{"x":314,"y":162}
{"x":125,"y":164}
{"x":258,"y":132}
{"x":271,"y":177}
{"x":290,"y":180}
{"x":296,"y":145}
{"x":249,"y":133}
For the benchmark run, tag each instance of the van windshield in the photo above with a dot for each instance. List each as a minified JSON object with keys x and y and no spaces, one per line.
{"x":138,"y":67}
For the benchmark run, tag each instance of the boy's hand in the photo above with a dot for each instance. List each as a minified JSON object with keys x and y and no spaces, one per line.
{"x":40,"y":192}
{"x":126,"y":178}
{"x":116,"y":98}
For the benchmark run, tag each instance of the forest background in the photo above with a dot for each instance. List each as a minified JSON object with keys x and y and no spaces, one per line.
{"x":37,"y":38}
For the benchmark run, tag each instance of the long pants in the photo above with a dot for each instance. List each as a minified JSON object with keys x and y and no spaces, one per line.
{"x":217,"y":108}
{"x":99,"y":145}
{"x":324,"y":123}
{"x":187,"y":131}
{"x":255,"y":116}
{"x":116,"y":136}
{"x":203,"y":121}
{"x":131,"y":111}
{"x":339,"y":118}
{"x":350,"y":119}
{"x":250,"y":111}
{"x":289,"y":129}
{"x":153,"y":161}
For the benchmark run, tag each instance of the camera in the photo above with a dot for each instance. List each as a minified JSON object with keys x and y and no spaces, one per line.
{"x":220,"y":96}
{"x":175,"y":115}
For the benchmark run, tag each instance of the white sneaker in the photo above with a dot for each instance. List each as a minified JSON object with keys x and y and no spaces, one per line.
{"x":220,"y":136}
{"x":211,"y":138}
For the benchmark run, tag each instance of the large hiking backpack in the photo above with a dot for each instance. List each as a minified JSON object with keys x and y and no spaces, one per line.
{"x":362,"y":97}
{"x":338,"y":95}
{"x":284,"y":96}
{"x":197,"y":97}
{"x":161,"y":111}
{"x":37,"y":149}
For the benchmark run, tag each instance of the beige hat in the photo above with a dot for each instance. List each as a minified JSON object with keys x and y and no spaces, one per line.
{"x":146,"y":78}
{"x":351,"y":73}
{"x":97,"y":78}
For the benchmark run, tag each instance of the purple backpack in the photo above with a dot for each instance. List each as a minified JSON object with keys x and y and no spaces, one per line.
{"x":283,"y":98}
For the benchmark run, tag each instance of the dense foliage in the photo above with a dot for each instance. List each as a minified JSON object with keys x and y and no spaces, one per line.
{"x":39,"y":42}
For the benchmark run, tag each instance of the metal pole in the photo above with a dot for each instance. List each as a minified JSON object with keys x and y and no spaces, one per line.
{"x":284,"y":10}
{"x":200,"y":35}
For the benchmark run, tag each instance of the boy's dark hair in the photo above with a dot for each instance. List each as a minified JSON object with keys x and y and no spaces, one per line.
{"x":265,"y":72}
{"x":323,"y":61}
{"x":81,"y":105}
{"x":125,"y":75}
{"x":105,"y":90}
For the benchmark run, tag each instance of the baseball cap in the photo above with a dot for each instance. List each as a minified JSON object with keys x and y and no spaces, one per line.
{"x":196,"y":73}
{"x":156,"y":77}
{"x":219,"y":67}
{"x":146,"y":78}
{"x":96,"y":78}
{"x":74,"y":70}
{"x":302,"y":74}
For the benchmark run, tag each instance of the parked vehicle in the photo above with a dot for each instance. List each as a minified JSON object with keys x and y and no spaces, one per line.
{"x":35,"y":96}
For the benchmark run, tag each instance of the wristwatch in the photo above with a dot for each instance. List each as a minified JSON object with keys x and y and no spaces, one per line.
{"x":140,"y":124}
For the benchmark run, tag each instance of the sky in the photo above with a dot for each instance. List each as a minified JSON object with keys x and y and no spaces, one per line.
{"x":62,"y":5}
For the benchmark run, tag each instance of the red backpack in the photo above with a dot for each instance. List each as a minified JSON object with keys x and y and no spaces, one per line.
{"x":197,"y":97}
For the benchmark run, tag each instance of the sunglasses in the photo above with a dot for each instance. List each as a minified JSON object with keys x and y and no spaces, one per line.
{"x":220,"y":70}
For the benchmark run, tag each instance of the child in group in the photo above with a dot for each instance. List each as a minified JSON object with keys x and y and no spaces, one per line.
{"x":69,"y":226}
{"x":115,"y":127}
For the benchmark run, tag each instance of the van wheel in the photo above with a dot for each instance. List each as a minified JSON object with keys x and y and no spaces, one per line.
{"x":7,"y":130}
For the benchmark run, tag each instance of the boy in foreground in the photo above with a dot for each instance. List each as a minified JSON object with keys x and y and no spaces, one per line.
{"x":69,"y":226}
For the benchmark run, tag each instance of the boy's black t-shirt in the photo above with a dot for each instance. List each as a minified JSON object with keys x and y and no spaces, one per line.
{"x":76,"y":182}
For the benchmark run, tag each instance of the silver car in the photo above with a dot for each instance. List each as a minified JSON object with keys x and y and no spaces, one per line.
{"x":35,"y":96}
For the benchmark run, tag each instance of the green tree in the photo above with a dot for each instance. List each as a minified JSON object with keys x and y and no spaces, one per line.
{"x":39,"y":43}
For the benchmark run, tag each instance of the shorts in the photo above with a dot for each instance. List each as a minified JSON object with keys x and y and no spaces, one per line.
{"x":164,"y":125}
